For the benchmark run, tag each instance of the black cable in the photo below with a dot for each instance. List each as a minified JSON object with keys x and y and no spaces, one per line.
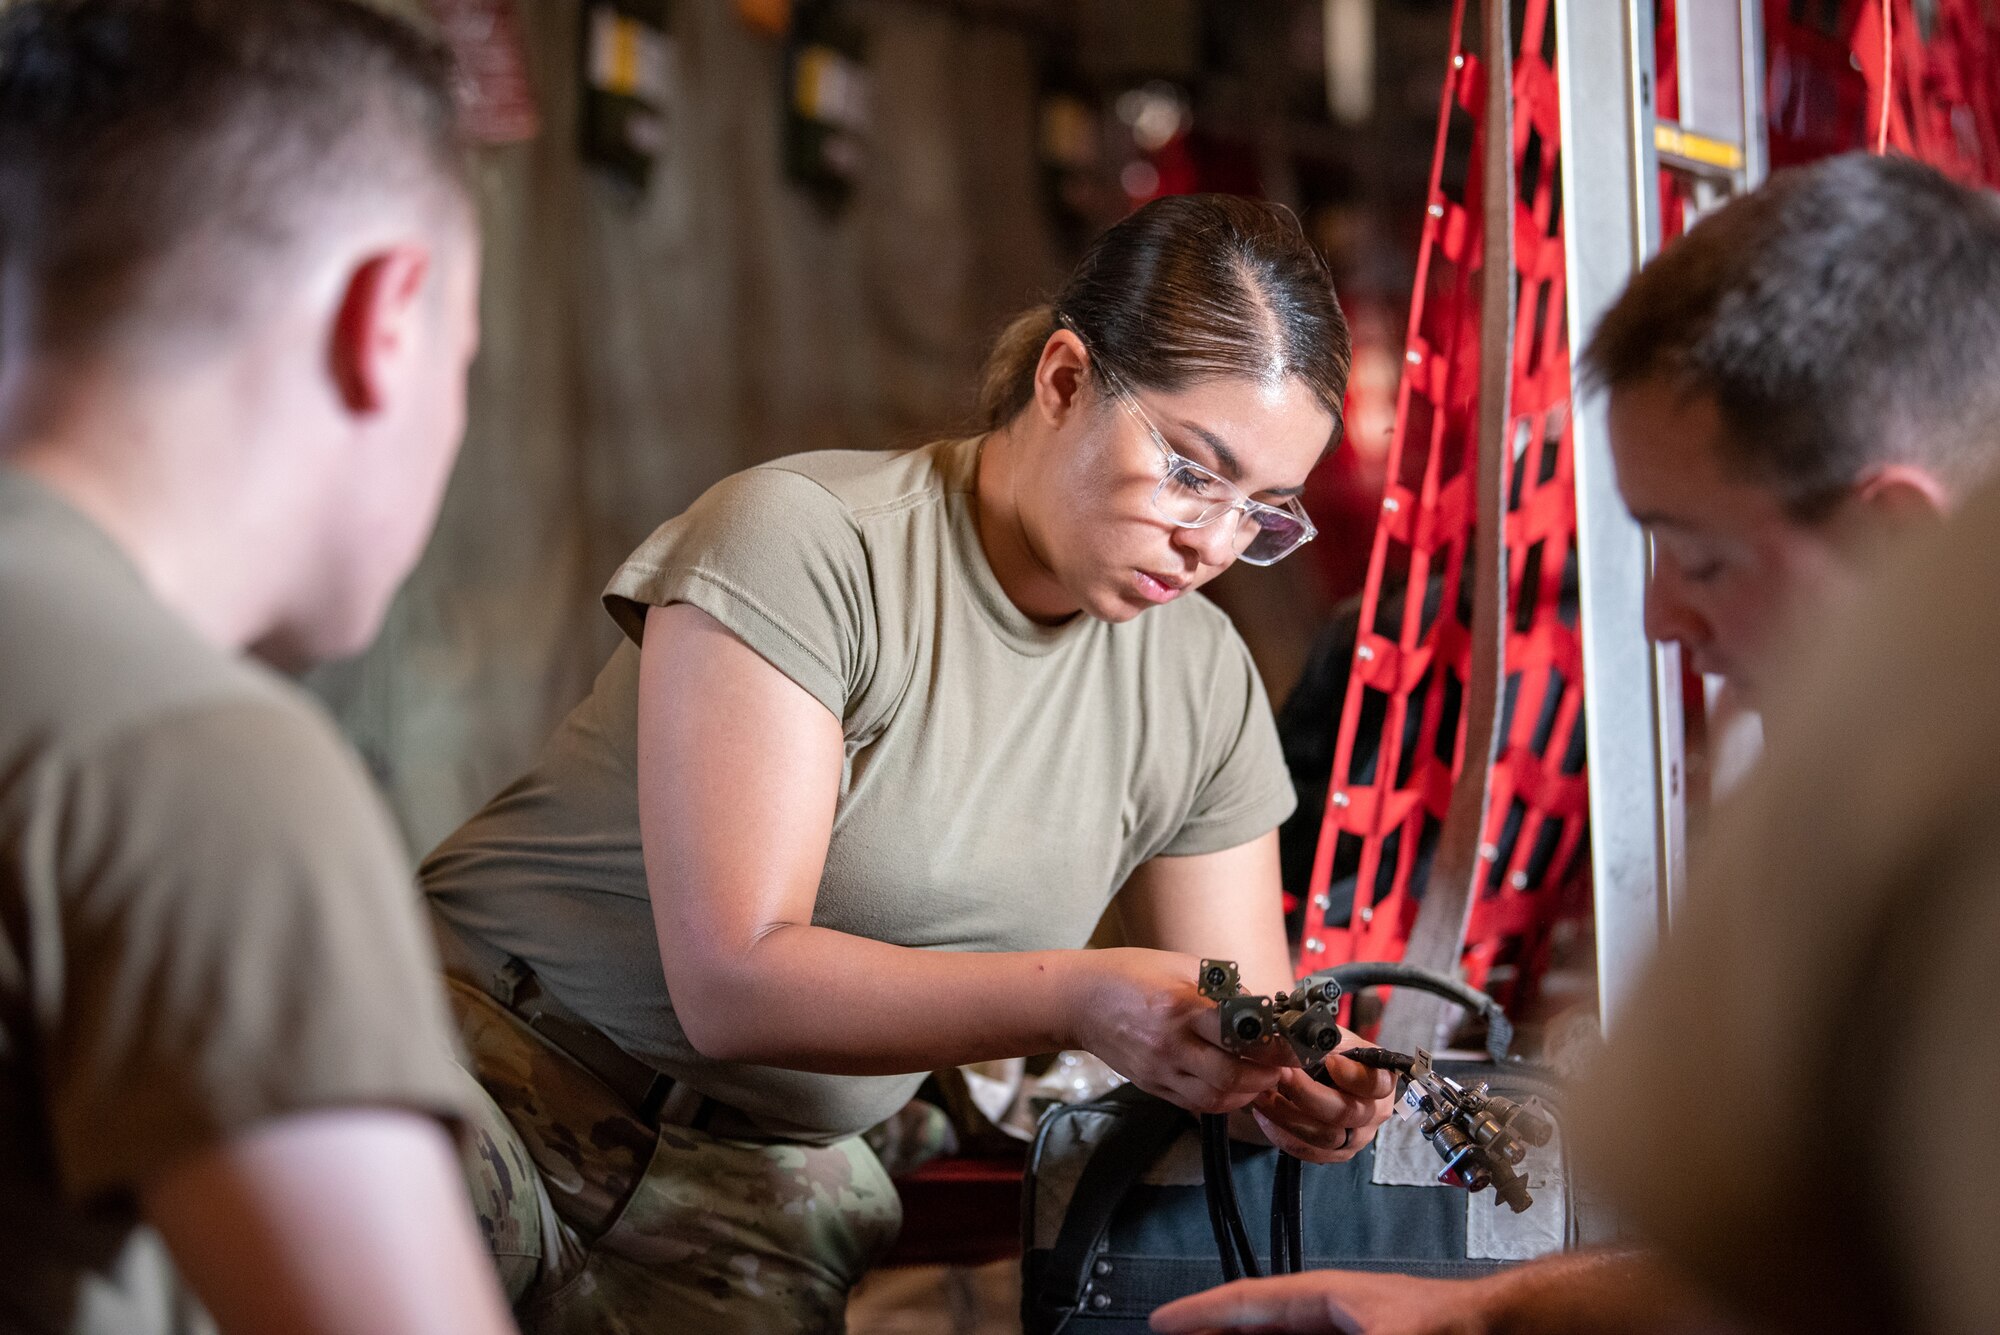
{"x":1376,"y":1059}
{"x":1239,"y":1260}
{"x":1225,"y":1245}
{"x":1280,"y":1235}
{"x":1233,"y":1212}
{"x":1295,"y":1209}
{"x":1225,"y":1215}
{"x":1287,"y":1216}
{"x":1295,"y":1205}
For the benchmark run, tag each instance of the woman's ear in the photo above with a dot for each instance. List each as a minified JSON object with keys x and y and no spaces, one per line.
{"x":1059,"y":377}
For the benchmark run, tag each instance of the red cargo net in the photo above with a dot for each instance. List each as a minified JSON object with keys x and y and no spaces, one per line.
{"x":1401,"y":737}
{"x":1943,"y":82}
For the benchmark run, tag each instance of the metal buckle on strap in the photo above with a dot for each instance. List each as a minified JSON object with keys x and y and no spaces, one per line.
{"x":509,"y":980}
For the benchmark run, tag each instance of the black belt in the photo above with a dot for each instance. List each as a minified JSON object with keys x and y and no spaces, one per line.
{"x":654,"y":1097}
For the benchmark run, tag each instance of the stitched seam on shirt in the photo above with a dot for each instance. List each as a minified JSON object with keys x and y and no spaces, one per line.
{"x":709,"y":577}
{"x":890,"y":509}
{"x":857,"y":514}
{"x":1235,"y":811}
{"x":1202,"y":829}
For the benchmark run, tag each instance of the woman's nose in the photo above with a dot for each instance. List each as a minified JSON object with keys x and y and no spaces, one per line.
{"x":1214,"y":544}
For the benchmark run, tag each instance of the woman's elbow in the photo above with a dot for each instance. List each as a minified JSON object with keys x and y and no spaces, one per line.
{"x":718,"y":1019}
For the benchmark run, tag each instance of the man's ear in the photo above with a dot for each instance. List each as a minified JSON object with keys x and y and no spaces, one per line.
{"x":376,"y":325}
{"x":1900,"y":498}
{"x":1059,"y":376}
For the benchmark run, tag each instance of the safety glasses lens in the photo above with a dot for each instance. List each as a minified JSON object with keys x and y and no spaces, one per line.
{"x":1277,"y":534}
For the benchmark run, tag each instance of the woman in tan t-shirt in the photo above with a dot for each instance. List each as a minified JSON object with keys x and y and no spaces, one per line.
{"x":889,"y":733}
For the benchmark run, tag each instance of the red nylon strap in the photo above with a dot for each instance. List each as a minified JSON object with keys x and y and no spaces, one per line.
{"x":1380,"y":809}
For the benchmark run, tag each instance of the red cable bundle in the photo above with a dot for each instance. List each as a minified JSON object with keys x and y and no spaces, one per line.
{"x":1936,"y":96}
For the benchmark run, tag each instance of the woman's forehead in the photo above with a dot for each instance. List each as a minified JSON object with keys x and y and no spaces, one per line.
{"x":1253,"y":432}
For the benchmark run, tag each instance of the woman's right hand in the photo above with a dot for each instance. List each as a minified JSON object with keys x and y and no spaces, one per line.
{"x":1141,"y":1012}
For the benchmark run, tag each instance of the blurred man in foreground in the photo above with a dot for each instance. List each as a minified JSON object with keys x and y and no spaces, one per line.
{"x":238,"y":269}
{"x":1805,"y":381}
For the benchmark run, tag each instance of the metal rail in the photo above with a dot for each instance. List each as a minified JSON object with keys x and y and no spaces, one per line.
{"x":1614,"y":146}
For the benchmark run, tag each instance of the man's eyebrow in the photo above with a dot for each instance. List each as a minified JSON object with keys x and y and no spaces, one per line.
{"x":1654,"y":519}
{"x":1232,"y":467}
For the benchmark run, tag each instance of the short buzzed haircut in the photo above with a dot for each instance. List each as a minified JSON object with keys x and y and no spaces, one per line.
{"x":161,"y":159}
{"x":1842,"y":316}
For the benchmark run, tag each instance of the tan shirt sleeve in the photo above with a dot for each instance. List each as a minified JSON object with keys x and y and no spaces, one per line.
{"x":777,"y":559}
{"x":1245,"y":791}
{"x":240,"y":939}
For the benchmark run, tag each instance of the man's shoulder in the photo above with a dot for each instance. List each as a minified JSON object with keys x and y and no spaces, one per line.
{"x":257,"y":770}
{"x":90,"y":654}
{"x":78,"y":672}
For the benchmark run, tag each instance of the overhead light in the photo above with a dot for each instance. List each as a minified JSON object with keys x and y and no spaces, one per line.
{"x":1350,"y":60}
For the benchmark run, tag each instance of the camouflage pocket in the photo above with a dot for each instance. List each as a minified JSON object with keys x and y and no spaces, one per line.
{"x":680,"y":1230}
{"x":590,"y":1150}
{"x":516,"y":1219}
{"x":736,"y":1237}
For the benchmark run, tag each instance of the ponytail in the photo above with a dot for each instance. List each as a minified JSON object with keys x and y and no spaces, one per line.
{"x":1008,"y":380}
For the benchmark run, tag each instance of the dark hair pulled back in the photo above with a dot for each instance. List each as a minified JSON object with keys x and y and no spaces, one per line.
{"x":1189,"y":288}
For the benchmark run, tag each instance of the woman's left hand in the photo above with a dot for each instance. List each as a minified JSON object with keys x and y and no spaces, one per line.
{"x":1324,"y":1122}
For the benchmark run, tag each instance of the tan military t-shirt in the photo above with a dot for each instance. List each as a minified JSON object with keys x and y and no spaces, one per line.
{"x":1003,"y":778}
{"x":205,"y":922}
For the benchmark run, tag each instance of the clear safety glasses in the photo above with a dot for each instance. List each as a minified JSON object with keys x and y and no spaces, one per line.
{"x":1190,"y":496}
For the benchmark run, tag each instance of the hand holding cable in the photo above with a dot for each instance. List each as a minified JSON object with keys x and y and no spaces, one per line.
{"x":1142,"y":1013}
{"x":1325,"y":1108}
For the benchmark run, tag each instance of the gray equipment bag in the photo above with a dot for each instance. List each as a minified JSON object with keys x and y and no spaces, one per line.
{"x":1115,"y":1219}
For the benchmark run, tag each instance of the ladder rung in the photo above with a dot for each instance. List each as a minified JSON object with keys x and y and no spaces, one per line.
{"x":1684,"y":150}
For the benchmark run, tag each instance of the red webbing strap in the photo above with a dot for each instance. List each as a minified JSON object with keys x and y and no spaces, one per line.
{"x":1381,"y":807}
{"x":1437,"y":936}
{"x":1377,"y":809}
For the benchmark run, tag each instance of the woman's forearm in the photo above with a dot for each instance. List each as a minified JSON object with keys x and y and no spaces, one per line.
{"x":814,"y":999}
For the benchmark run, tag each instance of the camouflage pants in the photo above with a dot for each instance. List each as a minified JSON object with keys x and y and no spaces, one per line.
{"x":600,"y":1223}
